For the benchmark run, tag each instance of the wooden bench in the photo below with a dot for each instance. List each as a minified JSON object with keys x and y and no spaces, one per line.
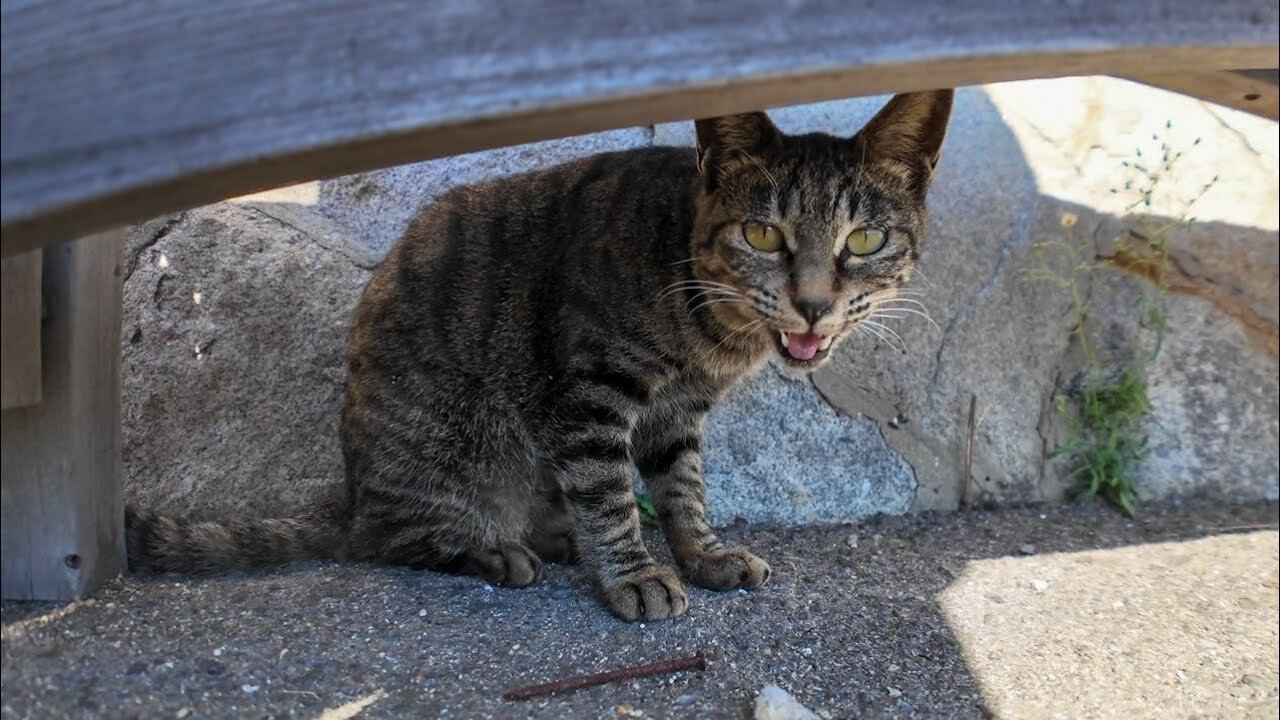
{"x":116,"y":113}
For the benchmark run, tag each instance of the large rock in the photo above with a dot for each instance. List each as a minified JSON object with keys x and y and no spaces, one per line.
{"x":775,"y":451}
{"x":234,"y":329}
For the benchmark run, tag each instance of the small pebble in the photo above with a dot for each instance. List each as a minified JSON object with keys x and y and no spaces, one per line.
{"x":249,"y":689}
{"x":1040,"y":585}
{"x":774,"y":703}
{"x":1027,"y":549}
{"x":894,"y":692}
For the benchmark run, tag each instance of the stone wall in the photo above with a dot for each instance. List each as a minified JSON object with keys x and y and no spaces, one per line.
{"x":235,"y":317}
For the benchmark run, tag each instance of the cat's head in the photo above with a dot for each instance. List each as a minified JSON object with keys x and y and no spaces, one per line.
{"x":809,"y":235}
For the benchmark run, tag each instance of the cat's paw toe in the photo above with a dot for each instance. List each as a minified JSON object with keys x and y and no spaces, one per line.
{"x":510,"y":566}
{"x":727,"y":569}
{"x":654,"y":593}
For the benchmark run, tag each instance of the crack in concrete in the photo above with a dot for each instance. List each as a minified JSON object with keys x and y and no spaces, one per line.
{"x":1244,"y":140}
{"x":156,"y":237}
{"x":1017,"y":238}
{"x":356,"y":254}
{"x":1052,"y":142}
{"x":157,"y":295}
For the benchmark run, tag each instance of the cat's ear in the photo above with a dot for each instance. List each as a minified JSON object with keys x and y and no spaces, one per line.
{"x":908,"y":132}
{"x":730,"y":136}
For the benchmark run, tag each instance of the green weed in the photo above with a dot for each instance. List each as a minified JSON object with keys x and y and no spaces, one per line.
{"x":1107,"y":439}
{"x":648,"y":514}
{"x":1107,"y":414}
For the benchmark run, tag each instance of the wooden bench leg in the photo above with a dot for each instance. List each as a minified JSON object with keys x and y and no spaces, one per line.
{"x":63,"y":521}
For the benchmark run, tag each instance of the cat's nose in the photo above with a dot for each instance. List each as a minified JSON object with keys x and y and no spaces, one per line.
{"x":812,"y":309}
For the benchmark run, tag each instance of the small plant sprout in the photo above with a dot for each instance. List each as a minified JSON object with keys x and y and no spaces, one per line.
{"x":648,"y":514}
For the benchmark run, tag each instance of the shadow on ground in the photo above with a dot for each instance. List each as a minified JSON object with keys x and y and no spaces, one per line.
{"x":850,"y":624}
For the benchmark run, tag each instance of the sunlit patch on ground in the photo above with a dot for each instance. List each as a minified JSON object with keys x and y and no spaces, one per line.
{"x":1177,"y":629}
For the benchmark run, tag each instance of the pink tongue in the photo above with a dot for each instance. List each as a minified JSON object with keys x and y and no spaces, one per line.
{"x":803,"y":347}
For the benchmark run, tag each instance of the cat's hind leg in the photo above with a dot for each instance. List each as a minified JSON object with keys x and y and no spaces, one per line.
{"x":455,"y":498}
{"x":447,"y":533}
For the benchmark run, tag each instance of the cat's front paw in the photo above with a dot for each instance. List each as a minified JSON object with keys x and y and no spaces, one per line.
{"x":726,"y":569}
{"x":654,"y":593}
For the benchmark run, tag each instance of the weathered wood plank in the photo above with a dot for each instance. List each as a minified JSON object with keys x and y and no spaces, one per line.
{"x":20,"y":330}
{"x":1254,"y":91}
{"x":117,"y":111}
{"x":63,"y":521}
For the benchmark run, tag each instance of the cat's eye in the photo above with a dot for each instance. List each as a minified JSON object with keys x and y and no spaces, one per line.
{"x":763,"y":237}
{"x":865,"y":241}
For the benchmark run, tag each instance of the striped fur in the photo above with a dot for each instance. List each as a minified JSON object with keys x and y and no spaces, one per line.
{"x":531,"y":342}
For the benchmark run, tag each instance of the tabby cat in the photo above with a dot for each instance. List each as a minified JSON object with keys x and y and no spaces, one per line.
{"x":532,"y":341}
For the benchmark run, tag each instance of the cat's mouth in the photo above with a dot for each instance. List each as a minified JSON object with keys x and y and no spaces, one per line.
{"x":805,"y":351}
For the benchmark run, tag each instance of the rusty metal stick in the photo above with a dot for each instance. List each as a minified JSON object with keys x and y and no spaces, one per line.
{"x":697,"y":661}
{"x":968,"y":453}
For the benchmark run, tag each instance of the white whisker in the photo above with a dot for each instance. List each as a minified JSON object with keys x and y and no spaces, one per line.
{"x":713,"y":301}
{"x":924,"y":277}
{"x":765,"y":171}
{"x":909,"y":301}
{"x":873,"y":325}
{"x":713,"y":294}
{"x":751,"y":326}
{"x":876,"y":334}
{"x":685,"y":285}
{"x":877,"y":310}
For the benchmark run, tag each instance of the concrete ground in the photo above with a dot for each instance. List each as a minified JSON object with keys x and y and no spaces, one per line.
{"x":1070,"y":611}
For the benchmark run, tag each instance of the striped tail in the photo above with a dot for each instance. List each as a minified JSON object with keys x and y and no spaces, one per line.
{"x":160,"y":544}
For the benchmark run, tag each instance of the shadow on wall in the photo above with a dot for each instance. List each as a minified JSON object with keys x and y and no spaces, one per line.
{"x":236,"y":314}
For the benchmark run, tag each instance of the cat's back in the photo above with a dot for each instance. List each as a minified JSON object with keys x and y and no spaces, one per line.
{"x":485,"y":263}
{"x":535,"y":218}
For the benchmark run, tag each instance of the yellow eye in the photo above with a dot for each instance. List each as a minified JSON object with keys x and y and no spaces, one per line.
{"x":865,"y":241}
{"x":763,"y":237}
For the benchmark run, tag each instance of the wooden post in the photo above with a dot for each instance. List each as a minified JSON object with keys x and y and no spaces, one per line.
{"x":63,"y":522}
{"x":20,"y":330}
